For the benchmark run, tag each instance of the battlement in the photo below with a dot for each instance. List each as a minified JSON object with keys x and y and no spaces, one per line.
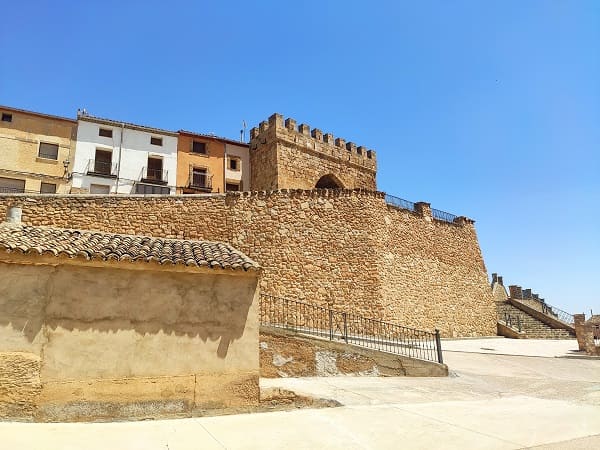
{"x":286,"y":155}
{"x":325,"y":142}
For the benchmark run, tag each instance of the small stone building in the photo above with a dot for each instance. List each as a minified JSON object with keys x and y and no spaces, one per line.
{"x":102,"y":326}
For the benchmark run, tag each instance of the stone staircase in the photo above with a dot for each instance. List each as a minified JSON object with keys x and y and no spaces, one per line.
{"x":532,"y":327}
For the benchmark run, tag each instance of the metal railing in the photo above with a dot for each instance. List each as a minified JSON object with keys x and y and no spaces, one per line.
{"x":443,"y":215}
{"x":101,"y":168}
{"x":399,"y":203}
{"x":561,"y":315}
{"x":540,"y":305}
{"x":11,"y":190}
{"x":200,"y":181}
{"x":513,"y":321}
{"x":331,"y":324}
{"x":150,"y":174}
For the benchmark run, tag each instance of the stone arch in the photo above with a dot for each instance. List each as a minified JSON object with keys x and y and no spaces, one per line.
{"x":329,"y":181}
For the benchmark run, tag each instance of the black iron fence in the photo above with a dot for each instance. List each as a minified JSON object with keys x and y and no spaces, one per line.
{"x":156,"y":175}
{"x":513,"y":321}
{"x":399,"y":203}
{"x":102,"y":168}
{"x":443,"y":215}
{"x":351,"y":328}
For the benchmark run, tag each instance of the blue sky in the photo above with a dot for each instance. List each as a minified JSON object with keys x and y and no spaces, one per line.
{"x":485,"y":109}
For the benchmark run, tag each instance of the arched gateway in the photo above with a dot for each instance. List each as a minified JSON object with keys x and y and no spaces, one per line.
{"x":329,"y":181}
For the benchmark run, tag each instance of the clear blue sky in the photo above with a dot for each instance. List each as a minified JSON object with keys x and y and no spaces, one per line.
{"x":489,"y":109}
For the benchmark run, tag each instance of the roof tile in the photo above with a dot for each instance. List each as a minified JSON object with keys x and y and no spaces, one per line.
{"x":97,"y":245}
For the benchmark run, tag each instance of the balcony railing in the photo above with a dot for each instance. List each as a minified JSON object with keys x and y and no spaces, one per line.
{"x":12,"y":190}
{"x":102,"y":168}
{"x":156,"y":176}
{"x":200,"y":181}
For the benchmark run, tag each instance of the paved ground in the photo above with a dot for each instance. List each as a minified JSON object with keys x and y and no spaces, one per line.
{"x":491,"y":401}
{"x":525,"y":347}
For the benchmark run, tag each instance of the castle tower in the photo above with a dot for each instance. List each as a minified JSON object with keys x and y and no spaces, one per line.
{"x":286,"y":156}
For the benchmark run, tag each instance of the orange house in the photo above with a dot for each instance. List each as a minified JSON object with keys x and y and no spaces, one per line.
{"x":200,"y":163}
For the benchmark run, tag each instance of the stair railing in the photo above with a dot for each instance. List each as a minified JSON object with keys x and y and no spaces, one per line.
{"x":333,"y":324}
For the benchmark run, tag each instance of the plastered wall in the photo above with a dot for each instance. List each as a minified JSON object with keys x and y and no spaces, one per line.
{"x":108,"y":342}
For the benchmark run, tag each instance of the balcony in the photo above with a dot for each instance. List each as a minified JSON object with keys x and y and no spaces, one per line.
{"x":200,"y":181}
{"x":154,"y":176}
{"x":98,"y":168}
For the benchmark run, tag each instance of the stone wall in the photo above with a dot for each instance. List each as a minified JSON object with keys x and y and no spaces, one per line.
{"x":284,"y":353}
{"x":345,"y":249}
{"x":284,"y":155}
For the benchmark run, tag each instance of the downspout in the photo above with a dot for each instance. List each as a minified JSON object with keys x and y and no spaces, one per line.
{"x":224,"y":166}
{"x":119,"y":163}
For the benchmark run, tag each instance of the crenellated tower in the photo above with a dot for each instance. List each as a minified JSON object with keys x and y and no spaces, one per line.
{"x":284,"y":155}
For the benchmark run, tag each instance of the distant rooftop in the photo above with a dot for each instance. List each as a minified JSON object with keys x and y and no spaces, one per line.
{"x":33,"y":113}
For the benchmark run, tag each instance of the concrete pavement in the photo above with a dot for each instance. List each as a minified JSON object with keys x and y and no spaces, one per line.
{"x":489,"y":401}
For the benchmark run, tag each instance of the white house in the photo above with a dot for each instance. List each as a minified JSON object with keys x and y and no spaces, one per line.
{"x":116,"y":157}
{"x":237,"y":166}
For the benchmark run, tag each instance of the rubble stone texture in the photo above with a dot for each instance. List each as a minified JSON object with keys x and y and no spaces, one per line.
{"x":284,"y":156}
{"x":346,"y":249}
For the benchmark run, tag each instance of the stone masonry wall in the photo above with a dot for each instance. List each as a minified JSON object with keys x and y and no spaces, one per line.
{"x":345,"y":249}
{"x":285,"y":156}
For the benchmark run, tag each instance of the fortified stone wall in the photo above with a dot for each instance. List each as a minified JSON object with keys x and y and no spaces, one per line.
{"x":285,"y":156}
{"x":345,"y":249}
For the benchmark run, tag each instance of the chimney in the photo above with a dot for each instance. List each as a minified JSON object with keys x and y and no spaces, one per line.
{"x":13,"y":215}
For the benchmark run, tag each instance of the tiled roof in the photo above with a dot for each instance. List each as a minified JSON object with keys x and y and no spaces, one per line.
{"x":89,"y":118}
{"x":121,"y":247}
{"x":214,"y":136}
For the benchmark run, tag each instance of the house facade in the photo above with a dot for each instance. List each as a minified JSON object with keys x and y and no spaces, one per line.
{"x":208,"y":163}
{"x":36,"y":151}
{"x":114,"y":157}
{"x":199,"y":163}
{"x":237,"y":166}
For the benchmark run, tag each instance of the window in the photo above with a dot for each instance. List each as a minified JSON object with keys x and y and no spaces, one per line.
{"x":99,"y":189}
{"x":105,"y":132}
{"x":48,"y":151}
{"x":199,"y":177}
{"x":10,"y":185}
{"x":6,"y":117}
{"x":48,"y":188}
{"x":151,"y":189}
{"x":232,"y":187}
{"x":156,"y":141}
{"x":102,"y":165}
{"x":154,"y":170}
{"x":199,"y":147}
{"x":234,"y":164}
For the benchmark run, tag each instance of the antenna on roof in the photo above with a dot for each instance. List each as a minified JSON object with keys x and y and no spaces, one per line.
{"x":243,"y":132}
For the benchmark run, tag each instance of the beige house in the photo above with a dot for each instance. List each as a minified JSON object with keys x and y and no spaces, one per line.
{"x":102,"y":326}
{"x":36,"y":151}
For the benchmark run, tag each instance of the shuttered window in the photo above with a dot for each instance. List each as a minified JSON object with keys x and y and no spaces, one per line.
{"x":48,"y":151}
